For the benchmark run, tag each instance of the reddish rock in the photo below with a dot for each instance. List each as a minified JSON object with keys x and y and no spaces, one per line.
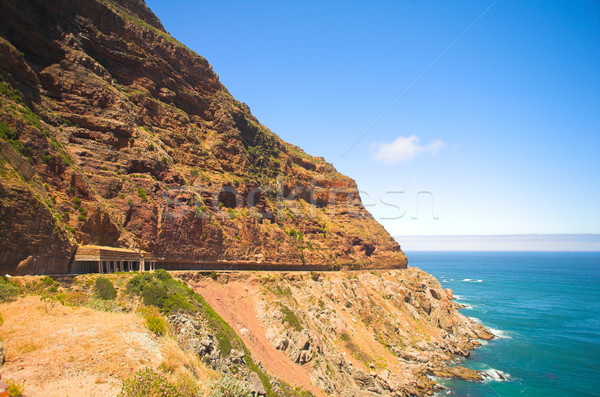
{"x":449,"y":293}
{"x":140,"y":129}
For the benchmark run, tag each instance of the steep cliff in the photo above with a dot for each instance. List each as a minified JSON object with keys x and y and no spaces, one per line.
{"x":114,"y":133}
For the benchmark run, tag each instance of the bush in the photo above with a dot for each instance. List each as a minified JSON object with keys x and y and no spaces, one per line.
{"x":156,"y":324}
{"x":175,"y":302}
{"x":154,"y":321}
{"x":154,"y":294}
{"x":15,"y":389}
{"x":161,"y":290}
{"x":48,"y":281}
{"x":148,"y":383}
{"x":6,"y":132}
{"x":290,"y":318}
{"x":135,"y":284}
{"x":104,"y":289}
{"x":230,"y":387}
{"x":8,"y":290}
{"x":162,"y":274}
{"x":142,"y":194}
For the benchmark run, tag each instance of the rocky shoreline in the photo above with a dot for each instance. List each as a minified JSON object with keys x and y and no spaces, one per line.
{"x":378,"y":333}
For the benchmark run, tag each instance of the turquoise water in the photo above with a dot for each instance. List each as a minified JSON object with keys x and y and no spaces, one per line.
{"x":544,"y":306}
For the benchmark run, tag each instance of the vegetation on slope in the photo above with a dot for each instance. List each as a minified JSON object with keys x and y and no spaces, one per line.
{"x":153,"y":297}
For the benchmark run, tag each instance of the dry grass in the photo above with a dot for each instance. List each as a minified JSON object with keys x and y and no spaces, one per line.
{"x":184,"y":369}
{"x":79,"y":351}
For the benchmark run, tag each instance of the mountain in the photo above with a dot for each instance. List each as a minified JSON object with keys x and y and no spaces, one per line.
{"x":113,"y":133}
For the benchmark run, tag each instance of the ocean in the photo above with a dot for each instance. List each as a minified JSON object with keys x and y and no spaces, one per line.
{"x":545,"y":310}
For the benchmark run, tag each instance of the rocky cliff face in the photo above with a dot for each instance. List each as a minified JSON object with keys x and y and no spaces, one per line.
{"x":377,"y":333}
{"x":114,"y":133}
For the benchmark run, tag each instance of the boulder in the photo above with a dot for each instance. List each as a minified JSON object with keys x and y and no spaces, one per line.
{"x":458,"y":373}
{"x":436,"y":293}
{"x":256,"y":385}
{"x":449,"y":293}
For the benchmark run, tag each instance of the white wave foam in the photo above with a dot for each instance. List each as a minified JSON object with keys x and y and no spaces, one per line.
{"x":457,"y":297}
{"x":499,"y":333}
{"x":478,"y":321}
{"x":467,"y":306}
{"x":470,"y":280}
{"x":495,"y":375}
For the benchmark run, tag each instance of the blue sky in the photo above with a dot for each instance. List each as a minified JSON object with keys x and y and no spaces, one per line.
{"x":501,"y":136}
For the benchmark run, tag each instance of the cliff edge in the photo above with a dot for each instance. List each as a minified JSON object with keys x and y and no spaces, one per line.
{"x":113,"y":133}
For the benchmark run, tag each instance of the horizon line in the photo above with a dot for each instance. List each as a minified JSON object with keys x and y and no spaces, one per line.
{"x":558,"y":242}
{"x":497,"y":235}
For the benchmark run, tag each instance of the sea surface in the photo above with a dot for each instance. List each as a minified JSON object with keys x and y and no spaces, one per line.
{"x":545,"y":310}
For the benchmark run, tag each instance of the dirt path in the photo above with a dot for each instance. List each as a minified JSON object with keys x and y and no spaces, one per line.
{"x":236,"y":304}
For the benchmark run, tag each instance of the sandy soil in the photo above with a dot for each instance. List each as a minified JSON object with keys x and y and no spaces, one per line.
{"x":73,"y":351}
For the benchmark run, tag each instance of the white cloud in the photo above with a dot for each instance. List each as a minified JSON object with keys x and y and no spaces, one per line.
{"x":403,"y":149}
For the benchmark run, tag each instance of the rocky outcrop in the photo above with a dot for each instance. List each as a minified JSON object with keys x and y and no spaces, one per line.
{"x":377,"y":333}
{"x":128,"y":139}
{"x":31,"y":243}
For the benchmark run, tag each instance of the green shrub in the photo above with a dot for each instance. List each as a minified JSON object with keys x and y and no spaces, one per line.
{"x":15,"y":389}
{"x":135,"y":284}
{"x":12,"y":94}
{"x":148,"y":383}
{"x":213,"y":275}
{"x":8,"y":291}
{"x":142,"y":194}
{"x":161,"y":290}
{"x":176,"y":302}
{"x":48,"y":281}
{"x":104,"y":289}
{"x":230,"y":387}
{"x":290,"y":318}
{"x":6,"y":132}
{"x":156,"y":324}
{"x":162,"y":274}
{"x":154,"y":294}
